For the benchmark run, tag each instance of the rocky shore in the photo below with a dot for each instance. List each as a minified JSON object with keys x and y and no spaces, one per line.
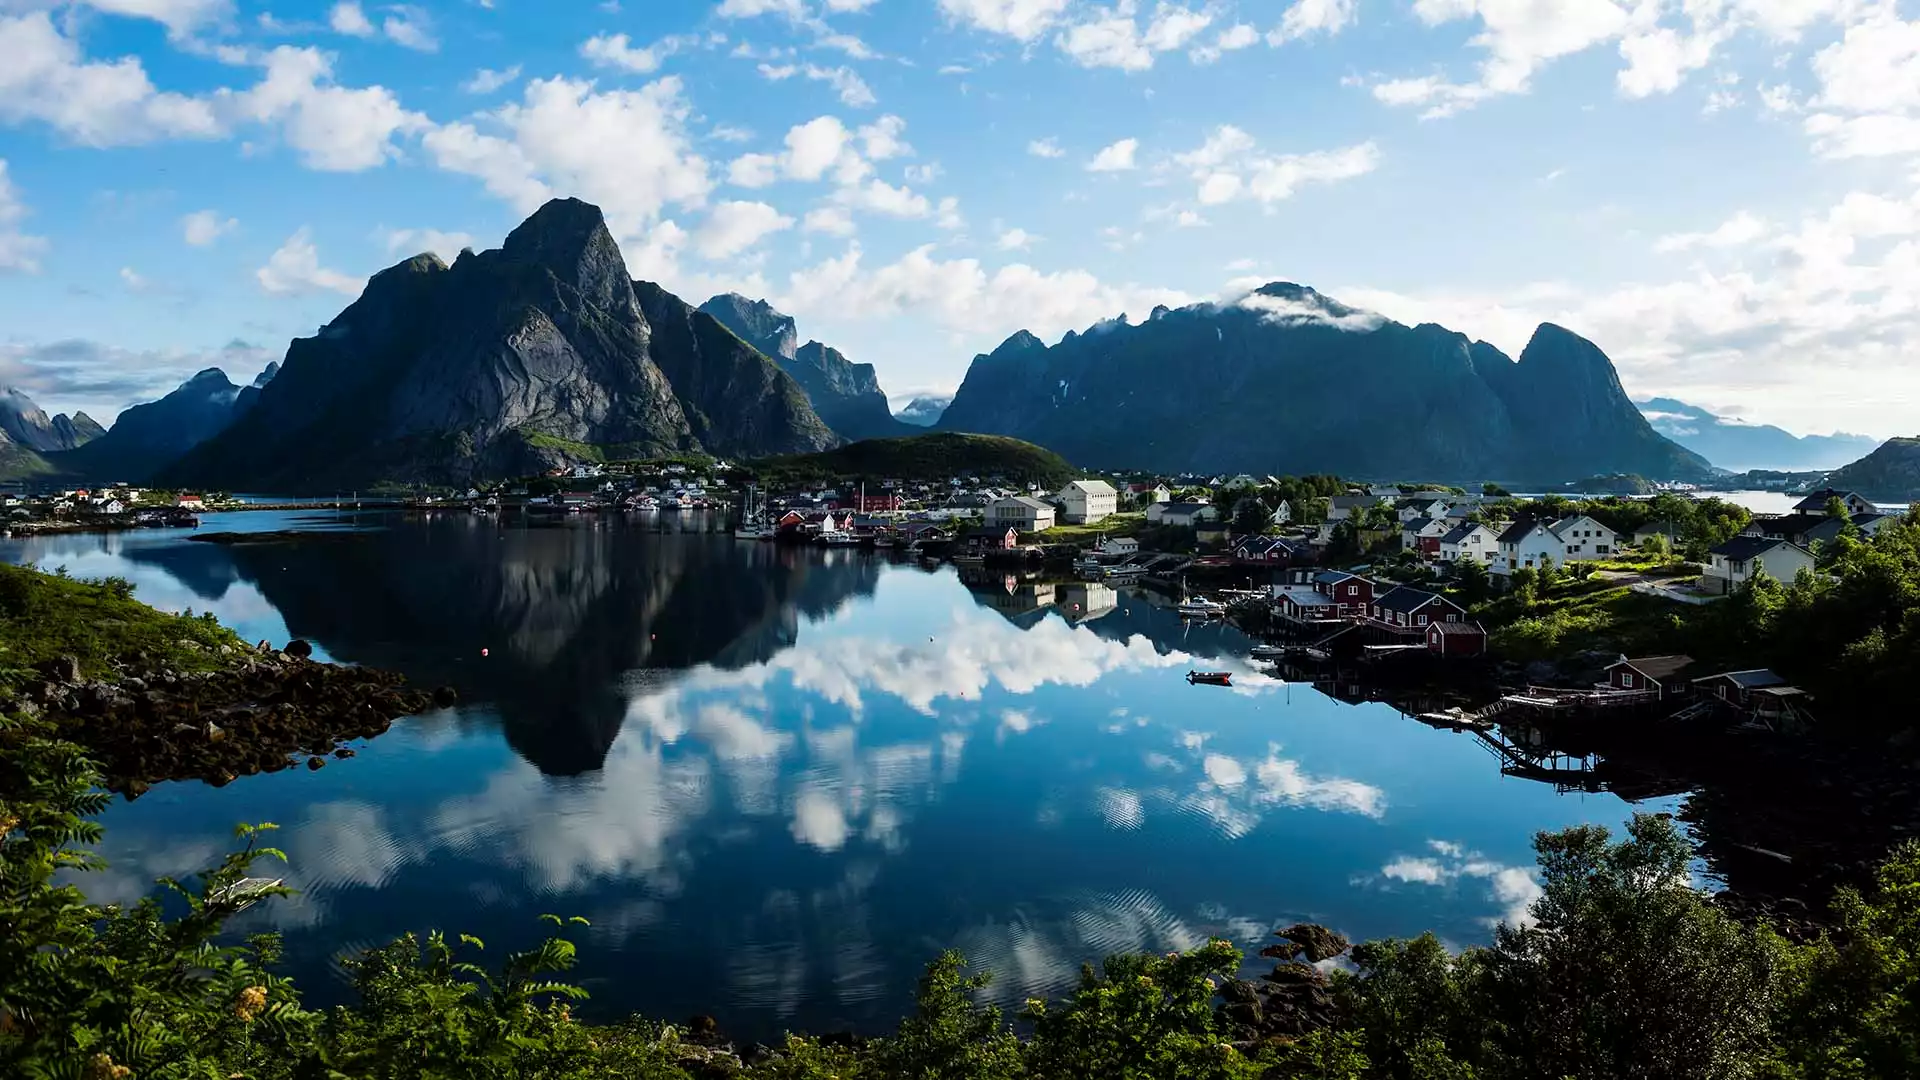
{"x":260,"y":710}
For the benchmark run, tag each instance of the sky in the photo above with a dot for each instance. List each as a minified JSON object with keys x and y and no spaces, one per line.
{"x":1723,"y":194}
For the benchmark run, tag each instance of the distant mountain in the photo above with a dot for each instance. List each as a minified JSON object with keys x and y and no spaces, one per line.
{"x":1286,"y":380}
{"x":1738,"y":447}
{"x":510,"y":361}
{"x":924,"y":411}
{"x":1891,"y":473}
{"x":845,"y":394}
{"x":146,"y":438}
{"x":26,"y":424}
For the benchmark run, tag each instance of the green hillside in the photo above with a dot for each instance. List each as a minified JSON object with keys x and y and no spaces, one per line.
{"x":922,"y":458}
{"x":19,"y":463}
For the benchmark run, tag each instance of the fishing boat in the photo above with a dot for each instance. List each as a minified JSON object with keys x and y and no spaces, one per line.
{"x":1200,"y":607}
{"x":1268,"y":652}
{"x":1211,"y":678}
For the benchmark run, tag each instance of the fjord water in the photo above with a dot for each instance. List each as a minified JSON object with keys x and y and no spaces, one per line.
{"x":778,"y":780}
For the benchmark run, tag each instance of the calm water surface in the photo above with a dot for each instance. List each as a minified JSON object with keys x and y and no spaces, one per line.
{"x":777,"y":781}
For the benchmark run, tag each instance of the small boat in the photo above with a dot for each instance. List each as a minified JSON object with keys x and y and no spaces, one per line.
{"x":1268,"y":652}
{"x":1202,"y":608}
{"x":753,"y":532}
{"x":1211,"y":678}
{"x":647,"y":502}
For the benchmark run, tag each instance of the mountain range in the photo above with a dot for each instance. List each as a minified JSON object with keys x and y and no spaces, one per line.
{"x":145,"y":437}
{"x":1289,"y":381}
{"x":1737,"y":446}
{"x":924,"y":411}
{"x":508,"y":362}
{"x":1891,"y":473}
{"x":845,"y":394}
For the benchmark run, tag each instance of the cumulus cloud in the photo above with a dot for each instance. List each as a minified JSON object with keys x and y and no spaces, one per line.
{"x":202,"y":227}
{"x":1513,"y":888}
{"x":487,"y":80}
{"x":1229,"y":166}
{"x":831,"y":220}
{"x":294,"y":269}
{"x":1279,"y":309}
{"x":1115,"y":157}
{"x":1233,"y":38}
{"x":19,"y":252}
{"x":1741,"y":228}
{"x":1114,"y":37}
{"x":347,"y":17}
{"x":845,"y":82}
{"x":1014,"y":240}
{"x":733,"y":227}
{"x":94,"y":103}
{"x":1304,"y":18}
{"x":627,"y":151}
{"x":1046,"y":148}
{"x":447,"y":245}
{"x":333,"y":128}
{"x":1022,"y":20}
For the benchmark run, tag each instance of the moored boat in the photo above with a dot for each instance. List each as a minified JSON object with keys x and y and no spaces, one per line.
{"x":1211,"y":678}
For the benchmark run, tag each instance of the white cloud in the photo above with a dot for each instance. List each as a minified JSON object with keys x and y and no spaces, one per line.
{"x":1046,"y":148}
{"x":831,"y":220}
{"x":1115,"y":157}
{"x":1869,"y":90}
{"x":19,"y":252}
{"x":1015,"y":240}
{"x":1233,"y":38}
{"x":824,"y":148}
{"x":1281,"y":310}
{"x":346,"y":17}
{"x":96,"y":103}
{"x":487,"y":80}
{"x":203,"y":227}
{"x":1228,"y":166}
{"x":1513,"y":888}
{"x":616,"y":51}
{"x":1307,"y":17}
{"x":410,"y":28}
{"x":447,"y":245}
{"x":1111,"y":37}
{"x":844,"y":80}
{"x":332,"y":127}
{"x":178,"y":16}
{"x":877,"y":196}
{"x":733,"y":227}
{"x":1740,"y":229}
{"x":294,"y":269}
{"x":748,"y":9}
{"x":627,"y":151}
{"x":923,"y":174}
{"x":1024,"y":20}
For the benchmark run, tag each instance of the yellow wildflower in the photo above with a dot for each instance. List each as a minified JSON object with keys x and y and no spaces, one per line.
{"x":249,"y":1003}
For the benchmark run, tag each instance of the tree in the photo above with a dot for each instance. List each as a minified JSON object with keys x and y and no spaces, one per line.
{"x":1472,"y":583}
{"x":1837,"y":508}
{"x":1250,"y":516}
{"x":1495,"y":490}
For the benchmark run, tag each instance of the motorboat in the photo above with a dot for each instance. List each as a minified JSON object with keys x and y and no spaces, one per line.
{"x":1210,"y":678}
{"x":1268,"y":652}
{"x":1200,"y":607}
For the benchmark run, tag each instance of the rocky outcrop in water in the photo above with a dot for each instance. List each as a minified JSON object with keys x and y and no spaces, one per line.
{"x":509,"y":362}
{"x":1289,"y":381}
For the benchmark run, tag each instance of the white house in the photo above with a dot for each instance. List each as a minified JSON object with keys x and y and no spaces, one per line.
{"x":1022,"y":512}
{"x":1417,"y":508}
{"x":1423,"y":534}
{"x":1117,"y":545}
{"x":1342,"y":507}
{"x":1816,"y":502}
{"x":1084,"y":502}
{"x":1182,"y":513}
{"x":1528,"y":544}
{"x":1282,"y":514}
{"x":1744,"y":557}
{"x":113,"y":506}
{"x":1585,"y":538}
{"x":1470,"y":542}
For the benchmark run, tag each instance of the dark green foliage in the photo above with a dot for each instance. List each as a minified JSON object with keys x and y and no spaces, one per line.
{"x":1141,"y":1017}
{"x":920,"y":458}
{"x":45,"y":616}
{"x":1891,"y":473}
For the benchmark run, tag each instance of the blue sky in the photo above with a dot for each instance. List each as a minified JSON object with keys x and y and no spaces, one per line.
{"x":1721,"y":193}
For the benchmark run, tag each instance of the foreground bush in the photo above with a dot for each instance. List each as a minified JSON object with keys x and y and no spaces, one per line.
{"x":1624,"y":971}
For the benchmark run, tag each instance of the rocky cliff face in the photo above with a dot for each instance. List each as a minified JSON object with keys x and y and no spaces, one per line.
{"x":845,"y":394}
{"x":736,"y":400}
{"x":145,"y":438}
{"x":508,"y":362}
{"x":27,"y":425}
{"x":1290,"y":381}
{"x":1890,"y":474}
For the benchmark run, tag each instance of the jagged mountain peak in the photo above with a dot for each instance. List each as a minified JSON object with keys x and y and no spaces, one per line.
{"x":569,"y":239}
{"x":266,"y":374}
{"x":757,"y":323}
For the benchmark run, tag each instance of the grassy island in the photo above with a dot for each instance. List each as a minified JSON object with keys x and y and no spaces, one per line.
{"x":1620,"y":969}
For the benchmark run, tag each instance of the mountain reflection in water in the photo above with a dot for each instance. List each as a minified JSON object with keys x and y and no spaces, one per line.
{"x":777,"y":781}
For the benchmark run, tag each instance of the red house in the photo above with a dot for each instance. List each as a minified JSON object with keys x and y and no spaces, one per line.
{"x":885,"y":503}
{"x":1456,"y":639}
{"x":1665,"y":676}
{"x":1407,"y":610}
{"x":991,"y":539}
{"x":1352,"y":592}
